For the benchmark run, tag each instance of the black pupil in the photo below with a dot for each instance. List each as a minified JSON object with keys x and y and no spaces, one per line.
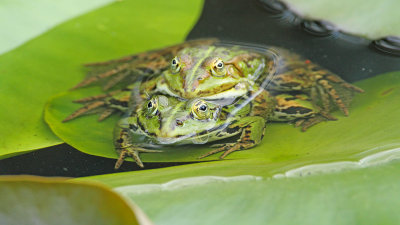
{"x":149,"y":105}
{"x":219,"y":65}
{"x":203,"y":108}
{"x":173,"y":61}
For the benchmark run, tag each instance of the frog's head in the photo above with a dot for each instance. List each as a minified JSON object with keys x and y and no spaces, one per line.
{"x":170,"y":120}
{"x":202,"y":71}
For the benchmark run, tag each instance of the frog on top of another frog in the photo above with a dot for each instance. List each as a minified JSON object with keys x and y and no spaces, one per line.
{"x":245,"y":85}
{"x":166,"y":120}
{"x":209,"y":69}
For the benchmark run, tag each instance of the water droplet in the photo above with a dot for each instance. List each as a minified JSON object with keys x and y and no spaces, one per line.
{"x":273,"y":6}
{"x":318,"y":27}
{"x":390,"y":45}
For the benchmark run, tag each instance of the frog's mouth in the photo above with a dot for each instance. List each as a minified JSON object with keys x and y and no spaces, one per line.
{"x":183,"y":139}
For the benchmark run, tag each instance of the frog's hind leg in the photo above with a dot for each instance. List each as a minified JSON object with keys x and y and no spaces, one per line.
{"x":296,"y":74}
{"x":300,"y":109}
{"x":135,"y":66}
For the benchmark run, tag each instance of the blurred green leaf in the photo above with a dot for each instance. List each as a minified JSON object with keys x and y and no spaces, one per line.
{"x":34,"y":200}
{"x":364,"y":196}
{"x":369,"y":128}
{"x":52,"y":62}
{"x":372,"y":19}
{"x":31,"y":18}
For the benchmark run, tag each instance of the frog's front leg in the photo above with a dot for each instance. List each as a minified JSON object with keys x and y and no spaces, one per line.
{"x":124,"y":143}
{"x":252,"y":131}
{"x":322,"y":85}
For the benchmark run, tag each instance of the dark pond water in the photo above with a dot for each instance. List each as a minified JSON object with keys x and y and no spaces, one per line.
{"x":263,"y":22}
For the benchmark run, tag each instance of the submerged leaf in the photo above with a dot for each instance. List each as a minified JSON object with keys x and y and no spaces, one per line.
{"x":33,"y":200}
{"x":364,"y":196}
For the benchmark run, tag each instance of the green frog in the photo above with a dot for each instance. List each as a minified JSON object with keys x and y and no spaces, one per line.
{"x":211,"y":70}
{"x":167,"y":120}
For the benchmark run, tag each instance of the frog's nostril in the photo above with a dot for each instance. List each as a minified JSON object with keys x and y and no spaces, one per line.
{"x":179,"y":123}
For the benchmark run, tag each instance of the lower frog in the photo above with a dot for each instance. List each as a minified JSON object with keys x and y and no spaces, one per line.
{"x":166,"y":120}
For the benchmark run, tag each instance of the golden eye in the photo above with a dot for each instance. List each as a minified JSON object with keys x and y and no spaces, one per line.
{"x":151,"y":106}
{"x":175,"y":65}
{"x":218,"y":68}
{"x":200,"y":110}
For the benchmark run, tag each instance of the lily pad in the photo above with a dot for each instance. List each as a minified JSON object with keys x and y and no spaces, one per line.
{"x":368,"y":129}
{"x":51,"y":63}
{"x":366,"y":18}
{"x":33,"y":200}
{"x":39,"y":16}
{"x":364,"y":196}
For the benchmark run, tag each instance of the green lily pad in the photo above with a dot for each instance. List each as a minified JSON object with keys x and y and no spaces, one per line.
{"x":51,"y":63}
{"x":363,"y":196}
{"x":366,"y":18}
{"x":33,"y":200}
{"x":369,"y":128}
{"x":38,"y":17}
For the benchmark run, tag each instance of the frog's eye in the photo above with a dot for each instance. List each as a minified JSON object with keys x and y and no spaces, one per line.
{"x":218,"y":68}
{"x":200,"y":110}
{"x":175,"y":65}
{"x":151,"y":106}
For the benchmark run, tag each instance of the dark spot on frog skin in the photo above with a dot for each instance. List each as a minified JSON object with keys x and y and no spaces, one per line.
{"x":231,"y":130}
{"x":117,"y":102}
{"x":296,"y":110}
{"x":133,"y":127}
{"x":290,"y":98}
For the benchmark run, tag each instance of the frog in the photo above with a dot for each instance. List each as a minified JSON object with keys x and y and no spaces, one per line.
{"x":164,"y":120}
{"x":209,"y":69}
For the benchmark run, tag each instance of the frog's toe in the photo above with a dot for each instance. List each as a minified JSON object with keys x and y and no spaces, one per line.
{"x":85,"y":109}
{"x":227,"y":148}
{"x":220,"y":148}
{"x":93,"y":79}
{"x":328,"y":91}
{"x":327,"y":88}
{"x":306,"y":123}
{"x":134,"y":153}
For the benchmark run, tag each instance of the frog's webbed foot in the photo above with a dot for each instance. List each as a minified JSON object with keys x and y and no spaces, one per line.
{"x":227,"y":148}
{"x":132,"y":151}
{"x":326,"y":87}
{"x":306,"y":123}
{"x":98,"y":104}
